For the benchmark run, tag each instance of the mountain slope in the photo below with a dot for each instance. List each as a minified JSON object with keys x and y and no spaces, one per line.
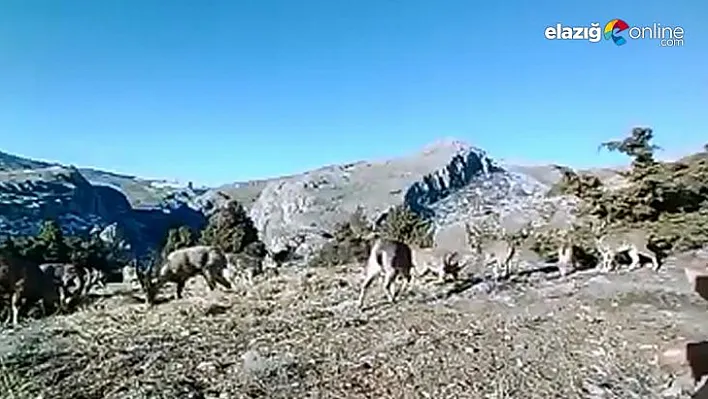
{"x":448,"y":181}
{"x":34,"y":191}
{"x":140,"y":192}
{"x":441,"y":182}
{"x":9,"y":162}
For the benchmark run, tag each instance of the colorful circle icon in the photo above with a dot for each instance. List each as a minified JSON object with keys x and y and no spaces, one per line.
{"x":613,"y":28}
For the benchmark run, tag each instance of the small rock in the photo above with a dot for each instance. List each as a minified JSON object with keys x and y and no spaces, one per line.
{"x":673,"y":391}
{"x":206,"y":367}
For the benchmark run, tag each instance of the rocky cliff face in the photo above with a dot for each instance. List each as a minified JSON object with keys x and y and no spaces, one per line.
{"x":31,"y":192}
{"x":465,"y":165}
{"x":32,"y":195}
{"x":449,"y":182}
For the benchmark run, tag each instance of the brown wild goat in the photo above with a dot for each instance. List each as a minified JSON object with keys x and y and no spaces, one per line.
{"x":499,"y":252}
{"x":634,"y":241}
{"x":25,"y":284}
{"x":181,"y":265}
{"x":390,"y":258}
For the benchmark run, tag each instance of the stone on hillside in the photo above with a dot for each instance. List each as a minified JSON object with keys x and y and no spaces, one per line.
{"x":452,"y":237}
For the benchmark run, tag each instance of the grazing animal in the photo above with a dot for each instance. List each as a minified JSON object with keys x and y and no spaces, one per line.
{"x":442,"y":263}
{"x":390,"y":258}
{"x":499,"y":252}
{"x":634,"y":241}
{"x":25,"y":284}
{"x":69,"y":279}
{"x":181,"y":265}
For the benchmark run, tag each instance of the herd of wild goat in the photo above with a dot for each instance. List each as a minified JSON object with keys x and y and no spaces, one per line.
{"x":59,"y":287}
{"x":62,"y":286}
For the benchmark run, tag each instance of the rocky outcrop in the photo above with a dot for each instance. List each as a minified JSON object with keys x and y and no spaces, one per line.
{"x":465,"y":165}
{"x":30,"y":196}
{"x":448,"y":182}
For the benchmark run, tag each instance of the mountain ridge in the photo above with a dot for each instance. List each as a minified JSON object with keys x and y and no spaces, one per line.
{"x":444,"y":181}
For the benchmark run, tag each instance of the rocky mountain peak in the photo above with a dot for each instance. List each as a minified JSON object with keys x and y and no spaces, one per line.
{"x":446,"y":145}
{"x":446,"y":181}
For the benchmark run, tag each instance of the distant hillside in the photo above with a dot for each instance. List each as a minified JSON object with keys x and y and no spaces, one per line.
{"x":695,"y":157}
{"x":245,"y":193}
{"x":449,"y":181}
{"x":82,"y":199}
{"x":150,"y":192}
{"x":140,"y":192}
{"x":9,"y":162}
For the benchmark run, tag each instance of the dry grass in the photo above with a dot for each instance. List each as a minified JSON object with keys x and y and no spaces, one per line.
{"x":300,"y":335}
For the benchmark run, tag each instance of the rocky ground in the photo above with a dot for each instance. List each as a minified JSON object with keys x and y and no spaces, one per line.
{"x":301,"y":335}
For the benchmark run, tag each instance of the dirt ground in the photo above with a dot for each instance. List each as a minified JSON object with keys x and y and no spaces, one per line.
{"x":300,"y":335}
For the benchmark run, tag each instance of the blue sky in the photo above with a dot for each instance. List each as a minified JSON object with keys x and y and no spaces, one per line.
{"x":219,"y":91}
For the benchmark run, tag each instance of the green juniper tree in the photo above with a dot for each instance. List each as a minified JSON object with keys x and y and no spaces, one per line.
{"x":177,"y":238}
{"x":52,"y":242}
{"x":230,"y":228}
